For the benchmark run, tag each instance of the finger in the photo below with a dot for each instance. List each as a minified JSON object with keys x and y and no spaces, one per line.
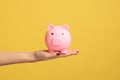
{"x":64,"y":55}
{"x":70,"y":53}
{"x":52,"y":55}
{"x":73,"y":51}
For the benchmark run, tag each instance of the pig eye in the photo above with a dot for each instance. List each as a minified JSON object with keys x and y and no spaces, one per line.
{"x":52,"y":33}
{"x":62,"y":33}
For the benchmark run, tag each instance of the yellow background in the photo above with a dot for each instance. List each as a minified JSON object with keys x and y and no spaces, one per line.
{"x":94,"y":27}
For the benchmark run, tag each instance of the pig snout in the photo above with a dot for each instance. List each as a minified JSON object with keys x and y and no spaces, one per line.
{"x":57,"y":41}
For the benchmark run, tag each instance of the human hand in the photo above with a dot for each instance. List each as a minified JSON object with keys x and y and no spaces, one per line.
{"x":45,"y":55}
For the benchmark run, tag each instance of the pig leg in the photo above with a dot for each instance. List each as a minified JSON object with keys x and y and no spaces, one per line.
{"x":50,"y":51}
{"x":64,"y":51}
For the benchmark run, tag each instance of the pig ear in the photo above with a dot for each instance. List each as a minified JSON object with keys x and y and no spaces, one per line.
{"x":66,"y":27}
{"x":50,"y":26}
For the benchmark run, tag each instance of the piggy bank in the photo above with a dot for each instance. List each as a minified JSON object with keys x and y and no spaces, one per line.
{"x":57,"y":38}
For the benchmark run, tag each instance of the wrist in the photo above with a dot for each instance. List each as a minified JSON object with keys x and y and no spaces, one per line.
{"x":30,"y":57}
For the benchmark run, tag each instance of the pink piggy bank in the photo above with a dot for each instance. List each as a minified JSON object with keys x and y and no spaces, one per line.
{"x":57,"y":38}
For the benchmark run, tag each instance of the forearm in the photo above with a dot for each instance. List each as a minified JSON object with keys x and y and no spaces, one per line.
{"x":25,"y":57}
{"x":16,"y":57}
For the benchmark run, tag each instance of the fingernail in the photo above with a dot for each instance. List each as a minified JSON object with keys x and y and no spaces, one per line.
{"x":77,"y":51}
{"x":58,"y":54}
